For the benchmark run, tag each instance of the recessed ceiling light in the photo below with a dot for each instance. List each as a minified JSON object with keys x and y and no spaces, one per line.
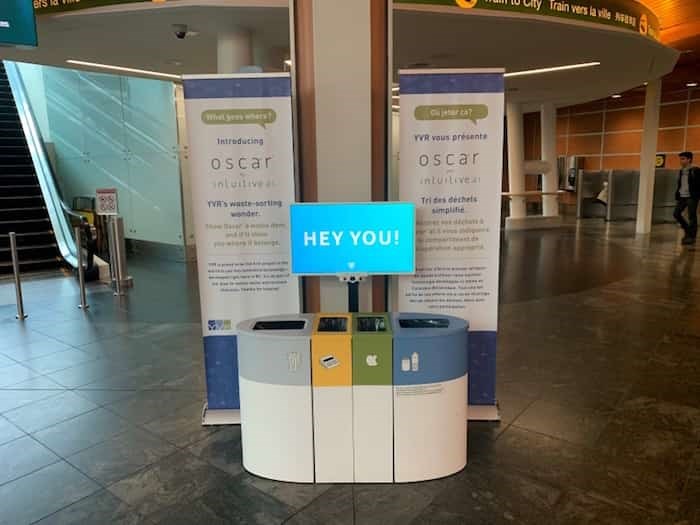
{"x":691,"y":84}
{"x":616,"y":95}
{"x":551,"y":69}
{"x":122,"y":68}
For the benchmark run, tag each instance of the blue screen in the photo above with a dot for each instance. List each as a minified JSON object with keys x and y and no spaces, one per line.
{"x":17,"y":23}
{"x":356,"y":238}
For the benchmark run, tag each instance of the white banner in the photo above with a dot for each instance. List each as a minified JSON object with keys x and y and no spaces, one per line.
{"x":242,"y":165}
{"x":451,"y":156}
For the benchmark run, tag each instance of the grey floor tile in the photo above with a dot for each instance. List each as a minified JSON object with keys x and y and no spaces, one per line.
{"x":294,"y":495}
{"x":8,"y":431}
{"x":34,"y":348}
{"x":58,"y":361}
{"x":146,"y":407}
{"x":102,"y":508}
{"x":85,"y":373}
{"x":585,"y":508}
{"x":494,"y":496}
{"x":120,"y":456}
{"x":82,"y":432}
{"x":232,"y":502}
{"x":178,"y":479}
{"x":576,"y":425}
{"x":14,"y":374}
{"x":23,"y":456}
{"x":334,"y":507}
{"x":104,"y":397}
{"x":6,"y":361}
{"x":222,"y":449}
{"x":11,"y":399}
{"x":47,"y":412}
{"x":42,"y":493}
{"x":38,"y":383}
{"x":394,"y":504}
{"x":183,"y":427}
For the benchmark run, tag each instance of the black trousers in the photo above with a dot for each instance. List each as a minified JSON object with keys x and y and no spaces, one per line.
{"x":691,"y":225}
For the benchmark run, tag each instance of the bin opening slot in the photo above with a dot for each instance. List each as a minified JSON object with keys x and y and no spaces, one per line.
{"x":280,"y":325}
{"x":424,"y":323}
{"x":333,"y":324}
{"x":371,"y":324}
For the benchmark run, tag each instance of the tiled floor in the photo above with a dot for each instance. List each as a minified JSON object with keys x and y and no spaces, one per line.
{"x":598,"y":382}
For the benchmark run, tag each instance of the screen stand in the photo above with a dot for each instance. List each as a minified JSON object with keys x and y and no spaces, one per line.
{"x":353,"y":290}
{"x":353,"y":297}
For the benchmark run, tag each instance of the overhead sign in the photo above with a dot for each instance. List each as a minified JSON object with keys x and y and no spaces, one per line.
{"x":626,"y":14}
{"x":57,"y":6}
{"x":354,"y":238}
{"x":106,"y":202}
{"x":17,"y":23}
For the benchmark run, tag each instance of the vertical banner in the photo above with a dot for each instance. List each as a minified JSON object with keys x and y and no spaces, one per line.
{"x":451,"y":156}
{"x":242,"y":178}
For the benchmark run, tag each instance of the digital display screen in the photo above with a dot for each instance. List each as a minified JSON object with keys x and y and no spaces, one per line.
{"x":17,"y":23}
{"x":353,"y":239}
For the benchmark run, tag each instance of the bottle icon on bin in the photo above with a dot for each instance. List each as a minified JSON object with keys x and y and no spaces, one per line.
{"x":412,"y":364}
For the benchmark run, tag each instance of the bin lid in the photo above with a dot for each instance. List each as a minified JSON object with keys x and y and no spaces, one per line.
{"x":333,"y":324}
{"x":278,"y":325}
{"x":371,"y":323}
{"x":407,"y":324}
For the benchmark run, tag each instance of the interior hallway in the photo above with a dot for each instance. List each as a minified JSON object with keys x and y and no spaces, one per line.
{"x":598,"y":382}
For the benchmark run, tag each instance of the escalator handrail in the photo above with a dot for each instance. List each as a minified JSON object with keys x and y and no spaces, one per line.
{"x":55,"y":206}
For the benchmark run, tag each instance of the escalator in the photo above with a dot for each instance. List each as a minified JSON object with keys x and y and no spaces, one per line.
{"x":22,"y":207}
{"x":30,"y":203}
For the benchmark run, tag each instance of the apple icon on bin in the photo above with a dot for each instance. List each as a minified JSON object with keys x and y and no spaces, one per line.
{"x":371,"y":360}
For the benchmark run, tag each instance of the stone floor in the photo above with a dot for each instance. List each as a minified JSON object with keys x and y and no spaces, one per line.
{"x":598,"y":382}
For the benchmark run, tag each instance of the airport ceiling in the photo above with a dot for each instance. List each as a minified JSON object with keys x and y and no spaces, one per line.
{"x":141,"y":36}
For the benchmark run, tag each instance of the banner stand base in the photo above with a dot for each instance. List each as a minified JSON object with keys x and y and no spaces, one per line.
{"x":220,"y":417}
{"x":483,"y":413}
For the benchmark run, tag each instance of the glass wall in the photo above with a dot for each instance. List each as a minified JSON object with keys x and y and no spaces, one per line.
{"x":108,"y":131}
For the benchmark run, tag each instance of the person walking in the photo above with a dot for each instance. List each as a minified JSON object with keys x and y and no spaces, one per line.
{"x":687,"y":197}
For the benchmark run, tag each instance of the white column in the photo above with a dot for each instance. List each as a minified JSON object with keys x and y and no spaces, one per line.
{"x":516,"y":158}
{"x":342,"y":65}
{"x":234,"y":50}
{"x":550,"y":180}
{"x":645,"y":202}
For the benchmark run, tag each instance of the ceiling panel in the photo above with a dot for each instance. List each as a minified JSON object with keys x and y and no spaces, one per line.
{"x":675,"y":13}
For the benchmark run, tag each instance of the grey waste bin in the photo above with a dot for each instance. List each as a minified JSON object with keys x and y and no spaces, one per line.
{"x":274,"y":363}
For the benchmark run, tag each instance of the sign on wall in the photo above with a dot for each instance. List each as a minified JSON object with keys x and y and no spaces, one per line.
{"x":242,"y":177}
{"x":353,"y":238}
{"x":451,"y":155}
{"x":106,"y":201}
{"x":17,"y":23}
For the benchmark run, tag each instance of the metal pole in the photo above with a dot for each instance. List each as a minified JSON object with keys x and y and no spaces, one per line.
{"x":123,"y":280}
{"x":18,"y":284}
{"x":81,"y":269}
{"x":112,"y":252}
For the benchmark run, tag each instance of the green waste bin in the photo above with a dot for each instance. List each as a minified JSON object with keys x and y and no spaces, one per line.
{"x":372,"y":389}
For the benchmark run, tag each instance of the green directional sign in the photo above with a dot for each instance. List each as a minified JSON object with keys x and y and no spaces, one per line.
{"x":625,"y":14}
{"x":58,"y":6}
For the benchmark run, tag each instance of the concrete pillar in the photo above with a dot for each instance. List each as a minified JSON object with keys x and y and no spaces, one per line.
{"x":645,"y":202}
{"x":341,"y":53}
{"x":234,"y":50}
{"x":516,"y":158}
{"x":550,"y":180}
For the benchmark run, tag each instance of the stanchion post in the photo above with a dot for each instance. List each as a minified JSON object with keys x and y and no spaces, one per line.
{"x":81,"y":268}
{"x":18,"y":283}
